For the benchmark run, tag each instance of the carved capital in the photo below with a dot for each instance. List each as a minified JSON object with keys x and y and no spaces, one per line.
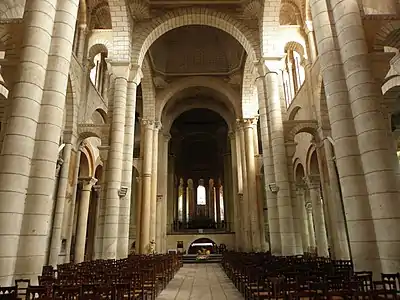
{"x":97,"y":188}
{"x":82,"y":146}
{"x":123,"y":190}
{"x":240,"y":195}
{"x":239,"y":125}
{"x":87,"y":183}
{"x":231,"y":135}
{"x":167,"y":137}
{"x":157,"y":125}
{"x":250,"y":122}
{"x":147,"y":124}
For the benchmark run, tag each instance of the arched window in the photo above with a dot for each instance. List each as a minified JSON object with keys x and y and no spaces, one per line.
{"x":201,"y":195}
{"x":293,"y":76}
{"x":180,"y":201}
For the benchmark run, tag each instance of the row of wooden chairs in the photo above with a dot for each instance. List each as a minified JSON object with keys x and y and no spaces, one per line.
{"x":139,"y":277}
{"x":260,"y":276}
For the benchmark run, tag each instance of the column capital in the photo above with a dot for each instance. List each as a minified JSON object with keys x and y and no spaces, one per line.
{"x":97,"y":188}
{"x":300,"y":188}
{"x":232,"y":135}
{"x":135,"y":74}
{"x":308,"y":206}
{"x":167,"y":137}
{"x":273,"y":64}
{"x":157,"y":125}
{"x":147,"y":124}
{"x":120,"y":69}
{"x":313,"y":181}
{"x":250,"y":122}
{"x":87,"y":183}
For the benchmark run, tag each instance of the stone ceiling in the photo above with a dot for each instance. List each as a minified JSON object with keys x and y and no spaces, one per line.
{"x":196,"y":50}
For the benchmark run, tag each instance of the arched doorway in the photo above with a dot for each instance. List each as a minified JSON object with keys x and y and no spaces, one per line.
{"x":202,"y":245}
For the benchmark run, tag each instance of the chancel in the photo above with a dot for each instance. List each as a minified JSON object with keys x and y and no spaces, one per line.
{"x":172,"y":149}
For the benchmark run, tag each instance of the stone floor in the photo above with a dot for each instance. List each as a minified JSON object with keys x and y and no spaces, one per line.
{"x":200,"y":282}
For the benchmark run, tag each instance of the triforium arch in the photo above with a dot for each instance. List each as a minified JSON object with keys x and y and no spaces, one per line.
{"x":145,"y":37}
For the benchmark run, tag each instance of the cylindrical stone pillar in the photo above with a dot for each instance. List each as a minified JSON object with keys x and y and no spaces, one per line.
{"x":70,"y":217}
{"x":284,"y":202}
{"x":269,"y":175}
{"x":347,"y":153}
{"x":310,"y":223}
{"x":84,"y":202}
{"x":340,"y":239}
{"x":115,"y":161}
{"x":365,"y":97}
{"x":154,"y":177}
{"x":301,"y":204}
{"x":171,"y":200}
{"x":217,"y":203}
{"x":38,"y":209}
{"x":148,"y":136}
{"x":55,"y":244}
{"x":318,"y":216}
{"x":251,"y":184}
{"x":164,"y":189}
{"x":236,"y":206}
{"x":82,"y":33}
{"x":125,"y":203}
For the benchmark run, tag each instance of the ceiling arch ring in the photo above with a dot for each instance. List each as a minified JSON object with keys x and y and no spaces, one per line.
{"x":180,"y":85}
{"x":168,"y":119}
{"x":193,"y":16}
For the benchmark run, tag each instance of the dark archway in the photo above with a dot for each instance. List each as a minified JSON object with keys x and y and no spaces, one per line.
{"x":202,"y":244}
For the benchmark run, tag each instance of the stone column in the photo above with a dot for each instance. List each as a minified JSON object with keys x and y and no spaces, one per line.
{"x":211,"y":199}
{"x":340,"y":244}
{"x":164,"y":189}
{"x":354,"y":189}
{"x":311,"y":41}
{"x":84,"y":202}
{"x":70,"y":217}
{"x":217,"y":202}
{"x":129,"y":132}
{"x":245,"y":194}
{"x":115,"y":160}
{"x":96,"y":250}
{"x":82,"y":33}
{"x":280,"y":165}
{"x":235,"y":199}
{"x":99,"y":232}
{"x":301,"y":204}
{"x":154,"y":178}
{"x":158,"y":238}
{"x":148,"y":137}
{"x":171,"y":200}
{"x":38,"y":209}
{"x":251,"y":183}
{"x":269,"y":173}
{"x":310,"y":223}
{"x":55,"y":244}
{"x":365,"y":98}
{"x":318,"y":215}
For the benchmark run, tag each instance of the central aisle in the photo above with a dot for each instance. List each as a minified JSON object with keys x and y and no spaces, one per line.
{"x":200,"y":282}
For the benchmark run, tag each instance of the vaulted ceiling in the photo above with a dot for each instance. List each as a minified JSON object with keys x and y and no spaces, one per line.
{"x":196,"y":50}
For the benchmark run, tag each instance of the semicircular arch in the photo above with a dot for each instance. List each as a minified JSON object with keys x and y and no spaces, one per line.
{"x":145,"y":37}
{"x":169,"y":119}
{"x":230,"y":97}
